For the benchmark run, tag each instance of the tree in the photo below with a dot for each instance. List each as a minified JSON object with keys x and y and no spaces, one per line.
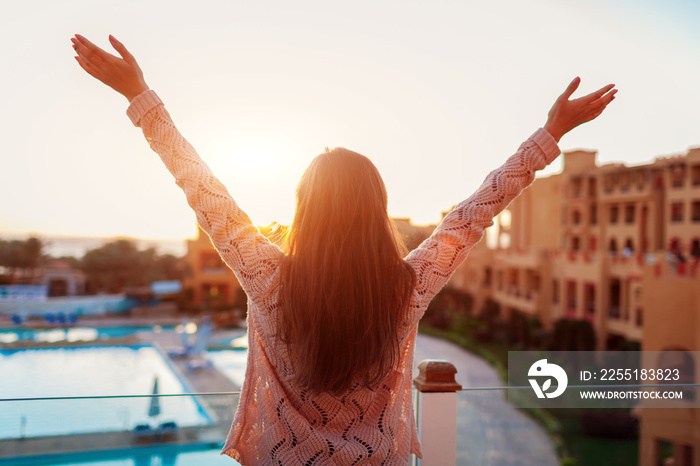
{"x":119,"y":264}
{"x":21,"y":257}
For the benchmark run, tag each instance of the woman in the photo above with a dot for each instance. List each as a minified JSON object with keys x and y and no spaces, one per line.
{"x":331,"y":323}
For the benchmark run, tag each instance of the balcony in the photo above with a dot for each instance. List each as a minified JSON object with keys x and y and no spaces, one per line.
{"x":625,"y":328}
{"x":170,"y":409}
{"x":183,"y":418}
{"x":525,"y":301}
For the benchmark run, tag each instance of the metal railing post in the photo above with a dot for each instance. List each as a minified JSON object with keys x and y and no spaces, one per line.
{"x":436,"y":412}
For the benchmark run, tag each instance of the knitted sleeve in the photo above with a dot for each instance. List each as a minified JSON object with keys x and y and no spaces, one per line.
{"x":436,"y":259}
{"x":248,"y":253}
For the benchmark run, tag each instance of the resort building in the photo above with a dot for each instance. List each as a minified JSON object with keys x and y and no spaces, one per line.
{"x":575,"y":245}
{"x":211,"y":282}
{"x":672,"y":326}
{"x":616,"y":246}
{"x":60,"y":279}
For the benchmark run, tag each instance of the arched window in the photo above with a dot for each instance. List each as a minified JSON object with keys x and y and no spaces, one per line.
{"x":679,"y":362}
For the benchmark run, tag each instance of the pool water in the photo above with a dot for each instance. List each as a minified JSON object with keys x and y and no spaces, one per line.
{"x":89,"y":371}
{"x":142,"y":457}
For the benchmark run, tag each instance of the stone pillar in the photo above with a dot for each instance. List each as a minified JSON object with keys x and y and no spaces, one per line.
{"x":436,"y":412}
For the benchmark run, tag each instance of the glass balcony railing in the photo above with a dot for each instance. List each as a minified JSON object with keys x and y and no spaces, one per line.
{"x":50,"y":414}
{"x":189,"y":430}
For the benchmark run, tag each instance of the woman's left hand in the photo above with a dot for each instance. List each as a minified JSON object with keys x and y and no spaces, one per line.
{"x":121,"y":74}
{"x":567,"y":114}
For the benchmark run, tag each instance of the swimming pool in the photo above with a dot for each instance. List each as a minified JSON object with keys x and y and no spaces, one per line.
{"x":89,"y":371}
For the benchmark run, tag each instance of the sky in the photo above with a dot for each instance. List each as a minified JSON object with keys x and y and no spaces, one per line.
{"x":437,"y":93}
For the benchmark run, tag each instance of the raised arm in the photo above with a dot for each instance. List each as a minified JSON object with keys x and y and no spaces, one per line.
{"x":251,"y":256}
{"x":436,"y":259}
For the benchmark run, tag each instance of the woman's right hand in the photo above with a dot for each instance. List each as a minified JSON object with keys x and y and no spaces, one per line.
{"x":121,"y":74}
{"x":567,"y":114}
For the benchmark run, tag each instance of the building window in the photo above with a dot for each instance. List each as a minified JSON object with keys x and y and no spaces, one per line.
{"x":487,"y":276}
{"x":575,"y":243}
{"x":592,"y":244}
{"x":614,"y":213}
{"x":695,"y":248}
{"x":211,"y":263}
{"x":589,"y":297}
{"x":677,"y":175}
{"x":609,"y":183}
{"x":696,"y":211}
{"x":571,"y":296}
{"x":674,"y":246}
{"x":555,"y":291}
{"x":615,"y":299}
{"x":625,"y":182}
{"x":677,"y":212}
{"x":629,"y":213}
{"x":592,"y":187}
{"x":576,"y":217}
{"x":629,"y":247}
{"x":641,"y":179}
{"x":613,"y":246}
{"x":658,"y":180}
{"x":576,"y":187}
{"x":695,"y":174}
{"x":594,"y":214}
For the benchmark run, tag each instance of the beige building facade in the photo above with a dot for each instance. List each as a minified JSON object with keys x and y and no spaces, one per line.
{"x":617,"y":246}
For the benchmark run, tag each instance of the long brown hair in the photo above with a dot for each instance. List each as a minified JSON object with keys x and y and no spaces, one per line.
{"x":344,"y":282}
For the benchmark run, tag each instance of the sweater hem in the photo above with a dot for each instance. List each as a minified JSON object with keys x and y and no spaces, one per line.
{"x":546,"y":142}
{"x":141,"y":104}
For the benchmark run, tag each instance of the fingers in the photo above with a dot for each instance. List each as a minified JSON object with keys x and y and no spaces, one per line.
{"x":571,"y":89}
{"x":119,"y":47}
{"x":593,"y":96}
{"x":86,"y":55}
{"x":604,"y":100}
{"x":609,"y":97}
{"x":89,"y":69}
{"x":597,"y":107}
{"x":95,"y":50}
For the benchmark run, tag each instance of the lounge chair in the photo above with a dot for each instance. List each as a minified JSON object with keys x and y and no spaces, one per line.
{"x":167,"y":431}
{"x":143,"y":432}
{"x":199,"y":363}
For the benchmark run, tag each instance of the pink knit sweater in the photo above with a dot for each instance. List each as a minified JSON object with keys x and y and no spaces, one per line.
{"x":277,"y":422}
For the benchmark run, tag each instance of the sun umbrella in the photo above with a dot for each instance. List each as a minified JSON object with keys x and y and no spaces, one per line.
{"x":154,"y":408}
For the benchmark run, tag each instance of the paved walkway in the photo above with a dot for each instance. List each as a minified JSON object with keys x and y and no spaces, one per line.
{"x":490,"y":432}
